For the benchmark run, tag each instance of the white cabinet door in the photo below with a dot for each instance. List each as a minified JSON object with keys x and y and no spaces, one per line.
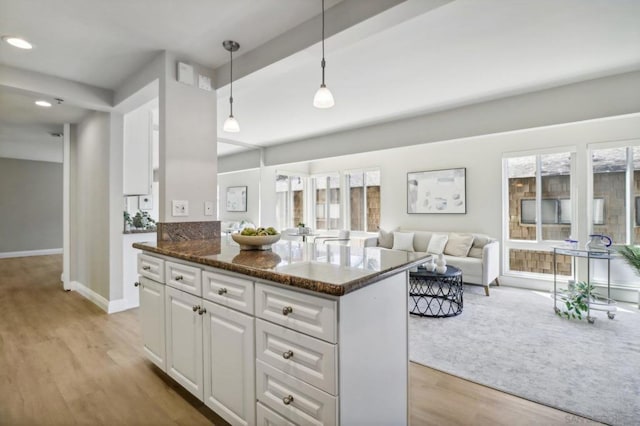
{"x":152,"y":321}
{"x":184,"y":339}
{"x":138,"y":126}
{"x":229,"y":364}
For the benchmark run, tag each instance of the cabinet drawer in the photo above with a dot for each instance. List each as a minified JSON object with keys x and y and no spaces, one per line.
{"x":266,"y":417}
{"x":302,"y":312}
{"x":151,"y":267}
{"x":293,"y":398}
{"x":299,"y":355}
{"x":232,"y":292}
{"x":184,"y":277}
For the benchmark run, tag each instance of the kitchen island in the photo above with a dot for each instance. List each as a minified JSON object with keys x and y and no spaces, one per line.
{"x":300,"y":334}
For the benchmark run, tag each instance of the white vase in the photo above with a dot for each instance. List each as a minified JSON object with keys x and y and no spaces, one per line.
{"x":441,"y":269}
{"x":430,"y":265}
{"x":441,"y":260}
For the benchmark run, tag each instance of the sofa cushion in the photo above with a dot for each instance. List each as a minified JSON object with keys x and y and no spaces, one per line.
{"x":403,"y":241}
{"x":437,"y":243}
{"x":475,"y":252}
{"x":385,"y":239}
{"x":421,"y":240}
{"x":479,"y":241}
{"x":458,"y":244}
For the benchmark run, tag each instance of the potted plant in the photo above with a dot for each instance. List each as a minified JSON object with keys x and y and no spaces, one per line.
{"x":576,"y":301}
{"x":631,"y":254}
{"x":128,"y":222}
{"x":301,"y":228}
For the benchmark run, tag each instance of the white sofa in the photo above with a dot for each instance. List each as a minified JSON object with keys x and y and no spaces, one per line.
{"x":480,"y":265}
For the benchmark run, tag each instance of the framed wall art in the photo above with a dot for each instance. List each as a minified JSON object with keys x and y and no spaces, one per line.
{"x":237,"y":199}
{"x":437,"y":191}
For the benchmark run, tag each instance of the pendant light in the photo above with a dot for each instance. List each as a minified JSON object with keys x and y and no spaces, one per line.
{"x":231,"y":124}
{"x":323,"y":98}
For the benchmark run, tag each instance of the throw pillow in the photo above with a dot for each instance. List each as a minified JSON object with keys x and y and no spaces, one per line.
{"x":458,"y":245}
{"x":385,"y":238}
{"x":437,"y":243}
{"x":475,"y":252}
{"x":403,"y":241}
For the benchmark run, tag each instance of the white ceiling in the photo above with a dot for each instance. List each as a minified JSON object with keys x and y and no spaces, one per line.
{"x":416,"y":57}
{"x":464,"y":52}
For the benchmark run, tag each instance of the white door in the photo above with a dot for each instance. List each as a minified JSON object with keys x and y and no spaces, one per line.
{"x":229,"y":364}
{"x":184,"y":339}
{"x":152,"y":321}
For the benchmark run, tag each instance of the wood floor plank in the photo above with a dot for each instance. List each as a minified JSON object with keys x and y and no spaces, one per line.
{"x":63,"y":361}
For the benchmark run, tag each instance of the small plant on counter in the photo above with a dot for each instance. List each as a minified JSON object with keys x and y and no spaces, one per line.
{"x":128,"y":222}
{"x":575,"y":303}
{"x":142,"y":220}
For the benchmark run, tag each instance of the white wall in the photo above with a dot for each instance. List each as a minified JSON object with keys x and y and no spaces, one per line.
{"x":250,"y":179}
{"x":188,"y":144}
{"x":89,"y":197}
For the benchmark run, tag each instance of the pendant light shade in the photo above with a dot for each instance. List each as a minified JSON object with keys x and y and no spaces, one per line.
{"x":231,"y":124}
{"x":323,"y":98}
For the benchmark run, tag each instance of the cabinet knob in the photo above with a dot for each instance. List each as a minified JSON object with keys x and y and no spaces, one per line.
{"x":195,"y":308}
{"x":287,"y":310}
{"x":222,"y":291}
{"x":146,"y":268}
{"x":287,"y":354}
{"x":136,"y":284}
{"x":287,"y":399}
{"x":202,"y":311}
{"x":179,"y":278}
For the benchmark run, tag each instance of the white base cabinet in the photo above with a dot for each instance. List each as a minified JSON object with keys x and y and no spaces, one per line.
{"x":184,"y":340}
{"x":261,"y":353}
{"x":152,"y":321}
{"x":229,"y":371}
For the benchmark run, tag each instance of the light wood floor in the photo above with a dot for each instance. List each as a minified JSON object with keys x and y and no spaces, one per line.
{"x":63,"y":361}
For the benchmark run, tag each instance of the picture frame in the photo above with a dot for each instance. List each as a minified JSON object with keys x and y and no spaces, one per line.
{"x":437,"y":191}
{"x":237,"y":199}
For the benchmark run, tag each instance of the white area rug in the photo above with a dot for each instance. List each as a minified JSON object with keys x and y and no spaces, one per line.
{"x":514,"y":342}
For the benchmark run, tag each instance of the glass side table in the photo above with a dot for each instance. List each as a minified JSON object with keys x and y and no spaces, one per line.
{"x":595,"y":303}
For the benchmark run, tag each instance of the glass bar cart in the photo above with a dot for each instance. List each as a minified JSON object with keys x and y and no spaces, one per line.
{"x":596,"y":303}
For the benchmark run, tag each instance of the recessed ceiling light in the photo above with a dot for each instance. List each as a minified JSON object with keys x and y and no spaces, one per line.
{"x":18,"y":42}
{"x":43,"y":104}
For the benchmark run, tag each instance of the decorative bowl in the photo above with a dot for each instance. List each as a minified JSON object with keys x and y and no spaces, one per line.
{"x":255,"y":242}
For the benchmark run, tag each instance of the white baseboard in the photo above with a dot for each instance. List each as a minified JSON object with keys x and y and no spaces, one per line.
{"x":87,"y":293}
{"x":109,"y":307}
{"x":121,"y":305}
{"x":27,"y":253}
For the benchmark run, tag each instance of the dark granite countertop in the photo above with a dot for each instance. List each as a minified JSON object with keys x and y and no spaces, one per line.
{"x":324,"y":268}
{"x":140,"y":231}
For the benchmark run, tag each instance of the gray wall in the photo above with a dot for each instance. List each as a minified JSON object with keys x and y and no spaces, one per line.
{"x":89,"y":199}
{"x":30,"y":206}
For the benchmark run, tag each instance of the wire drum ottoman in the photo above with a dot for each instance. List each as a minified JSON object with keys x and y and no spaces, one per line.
{"x":435,"y":295}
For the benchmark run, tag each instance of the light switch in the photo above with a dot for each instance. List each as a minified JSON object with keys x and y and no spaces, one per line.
{"x":208,"y":208}
{"x":179,"y":208}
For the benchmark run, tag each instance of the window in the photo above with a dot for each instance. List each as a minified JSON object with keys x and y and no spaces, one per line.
{"x":616,"y":188}
{"x":539,"y":202}
{"x":326,"y":196}
{"x":289,"y":200}
{"x":363,"y":193}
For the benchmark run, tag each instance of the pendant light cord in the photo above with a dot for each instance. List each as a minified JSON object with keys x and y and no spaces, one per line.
{"x":323,"y":63}
{"x":231,"y":78}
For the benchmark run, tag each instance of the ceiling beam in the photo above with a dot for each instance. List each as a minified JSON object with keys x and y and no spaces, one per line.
{"x":74,"y":93}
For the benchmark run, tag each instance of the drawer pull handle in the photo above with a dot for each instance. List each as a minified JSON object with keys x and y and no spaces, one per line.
{"x":202,"y":311}
{"x":287,"y":354}
{"x":136,"y":284}
{"x":179,"y":278}
{"x":287,"y":310}
{"x":222,"y":291}
{"x":287,"y":399}
{"x":195,"y":308}
{"x":146,"y":268}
